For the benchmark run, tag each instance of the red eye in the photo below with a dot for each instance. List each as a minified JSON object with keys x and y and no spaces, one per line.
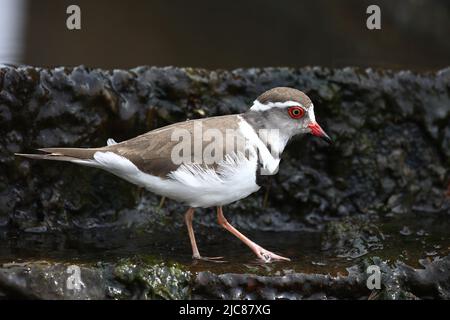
{"x":296,"y":112}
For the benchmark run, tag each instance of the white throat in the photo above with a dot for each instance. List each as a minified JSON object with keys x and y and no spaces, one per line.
{"x":275,"y":139}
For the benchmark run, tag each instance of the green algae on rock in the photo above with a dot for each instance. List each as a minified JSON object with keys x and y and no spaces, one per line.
{"x":352,"y":237}
{"x":128,"y":279}
{"x":145,"y":278}
{"x":152,"y":279}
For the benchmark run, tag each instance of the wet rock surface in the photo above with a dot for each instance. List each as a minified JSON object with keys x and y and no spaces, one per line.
{"x":381,"y":190}
{"x":137,"y":279}
{"x":352,"y":238}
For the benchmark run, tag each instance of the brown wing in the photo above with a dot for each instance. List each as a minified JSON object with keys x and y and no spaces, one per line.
{"x":151,"y":152}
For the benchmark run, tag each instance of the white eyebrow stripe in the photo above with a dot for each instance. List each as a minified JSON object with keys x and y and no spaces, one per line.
{"x":311,"y":114}
{"x":258,"y":106}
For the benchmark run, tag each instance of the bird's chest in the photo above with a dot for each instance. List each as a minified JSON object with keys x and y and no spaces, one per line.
{"x":262,"y":179}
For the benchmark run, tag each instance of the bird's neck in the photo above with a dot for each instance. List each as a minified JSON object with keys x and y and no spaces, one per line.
{"x":274,"y":138}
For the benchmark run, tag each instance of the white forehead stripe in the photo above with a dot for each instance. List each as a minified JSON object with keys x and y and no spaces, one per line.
{"x":258,"y":106}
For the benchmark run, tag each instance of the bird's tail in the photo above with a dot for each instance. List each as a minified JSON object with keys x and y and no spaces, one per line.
{"x":62,"y":154}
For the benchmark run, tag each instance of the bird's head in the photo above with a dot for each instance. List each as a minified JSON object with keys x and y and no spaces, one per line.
{"x":288,"y":110}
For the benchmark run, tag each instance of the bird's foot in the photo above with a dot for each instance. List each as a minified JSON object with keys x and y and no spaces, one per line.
{"x":210,"y":259}
{"x":268,"y":256}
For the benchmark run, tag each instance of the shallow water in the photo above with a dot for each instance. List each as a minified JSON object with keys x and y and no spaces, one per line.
{"x":406,"y":239}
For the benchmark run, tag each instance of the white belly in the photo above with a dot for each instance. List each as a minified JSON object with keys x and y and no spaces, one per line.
{"x":234,"y":179}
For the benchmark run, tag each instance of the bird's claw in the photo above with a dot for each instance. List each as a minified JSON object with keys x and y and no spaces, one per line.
{"x":210,"y":259}
{"x":268,"y":256}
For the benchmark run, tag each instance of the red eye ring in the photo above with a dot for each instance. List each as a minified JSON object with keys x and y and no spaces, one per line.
{"x":296,"y":112}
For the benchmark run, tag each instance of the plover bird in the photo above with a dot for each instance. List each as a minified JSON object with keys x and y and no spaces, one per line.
{"x":207,"y":162}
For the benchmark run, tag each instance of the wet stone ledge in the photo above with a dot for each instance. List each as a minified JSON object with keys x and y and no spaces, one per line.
{"x":137,"y":279}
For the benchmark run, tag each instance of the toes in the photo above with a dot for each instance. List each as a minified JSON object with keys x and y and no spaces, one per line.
{"x":283,"y":258}
{"x":268,"y":256}
{"x":214,"y":259}
{"x":210,"y":259}
{"x":277,"y":257}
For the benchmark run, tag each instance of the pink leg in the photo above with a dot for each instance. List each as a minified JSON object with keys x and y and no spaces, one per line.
{"x":262,"y":253}
{"x":188,"y":217}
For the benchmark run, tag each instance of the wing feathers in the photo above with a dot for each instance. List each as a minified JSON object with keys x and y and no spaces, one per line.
{"x":78,"y":153}
{"x":46,"y":157}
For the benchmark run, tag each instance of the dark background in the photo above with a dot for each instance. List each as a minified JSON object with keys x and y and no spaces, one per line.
{"x":233,"y":34}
